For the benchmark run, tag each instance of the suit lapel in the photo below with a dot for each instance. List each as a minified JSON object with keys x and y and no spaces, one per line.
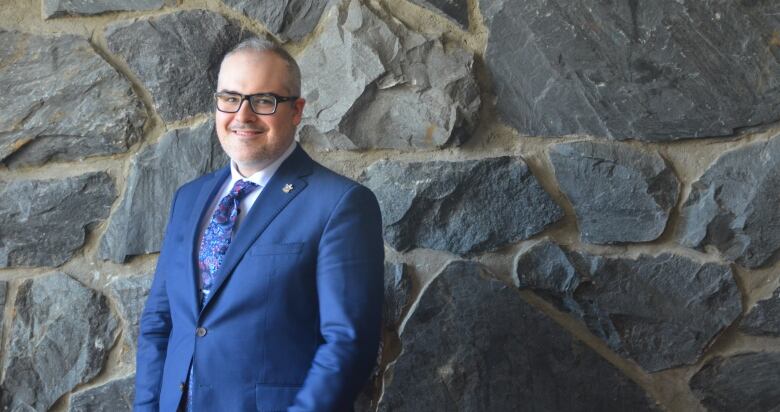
{"x":283,"y":187}
{"x":208,"y":190}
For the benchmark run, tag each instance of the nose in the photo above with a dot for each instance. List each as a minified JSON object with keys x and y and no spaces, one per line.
{"x":245,"y":113}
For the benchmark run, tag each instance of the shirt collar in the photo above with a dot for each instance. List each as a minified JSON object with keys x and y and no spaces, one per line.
{"x":263,"y":176}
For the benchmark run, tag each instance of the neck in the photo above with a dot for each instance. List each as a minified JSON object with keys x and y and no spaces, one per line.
{"x":246,"y":170}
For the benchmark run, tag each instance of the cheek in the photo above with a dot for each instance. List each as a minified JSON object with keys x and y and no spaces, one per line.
{"x":282,"y":126}
{"x":276,"y":128}
{"x":222,"y":120}
{"x":221,"y":127}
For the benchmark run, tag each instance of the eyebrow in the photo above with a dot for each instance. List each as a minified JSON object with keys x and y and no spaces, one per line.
{"x":251,"y":94}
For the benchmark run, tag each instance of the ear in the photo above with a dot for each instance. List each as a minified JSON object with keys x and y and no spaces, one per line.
{"x":298,"y":110}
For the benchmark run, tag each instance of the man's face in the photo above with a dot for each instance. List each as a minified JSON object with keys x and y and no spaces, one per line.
{"x":251,"y":140}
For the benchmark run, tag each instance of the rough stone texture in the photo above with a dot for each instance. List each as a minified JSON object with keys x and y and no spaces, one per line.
{"x":455,"y":10}
{"x":61,"y":101}
{"x":57,"y":8}
{"x":661,"y":311}
{"x":3,"y":295}
{"x":380,"y":90}
{"x":398,"y":290}
{"x":733,"y":206}
{"x":60,"y":338}
{"x":656,"y":71}
{"x":177,"y":57}
{"x":129,"y":294}
{"x":369,"y":87}
{"x":764,"y":318}
{"x":181,"y":155}
{"x":472,"y":344}
{"x":463,"y":207}
{"x":745,"y":382}
{"x":286,"y":19}
{"x":43,"y":222}
{"x":113,"y":396}
{"x":619,"y":193}
{"x":363,"y":403}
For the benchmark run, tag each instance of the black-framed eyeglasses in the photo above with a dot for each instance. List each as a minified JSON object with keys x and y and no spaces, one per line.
{"x":261,"y":103}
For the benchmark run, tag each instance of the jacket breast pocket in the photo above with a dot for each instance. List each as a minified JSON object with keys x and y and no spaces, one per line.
{"x":276,"y":249}
{"x":272,"y":398}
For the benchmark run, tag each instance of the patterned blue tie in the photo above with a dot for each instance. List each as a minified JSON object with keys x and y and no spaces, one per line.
{"x":217,"y":237}
{"x":213,"y":247}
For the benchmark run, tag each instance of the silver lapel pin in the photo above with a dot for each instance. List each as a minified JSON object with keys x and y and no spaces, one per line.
{"x":287,"y":188}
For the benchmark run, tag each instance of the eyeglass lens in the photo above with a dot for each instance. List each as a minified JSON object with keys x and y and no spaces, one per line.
{"x":261,"y":104}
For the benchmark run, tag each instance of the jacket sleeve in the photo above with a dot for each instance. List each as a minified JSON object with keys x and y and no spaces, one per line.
{"x":350,"y":270}
{"x":155,"y":329}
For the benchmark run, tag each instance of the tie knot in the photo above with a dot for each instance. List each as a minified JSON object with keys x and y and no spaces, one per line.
{"x":242,"y":188}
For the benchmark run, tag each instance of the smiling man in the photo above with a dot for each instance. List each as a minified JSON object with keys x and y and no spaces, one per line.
{"x":268,"y":289}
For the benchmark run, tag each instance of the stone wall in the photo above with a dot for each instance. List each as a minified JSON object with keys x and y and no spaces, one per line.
{"x":580,"y":199}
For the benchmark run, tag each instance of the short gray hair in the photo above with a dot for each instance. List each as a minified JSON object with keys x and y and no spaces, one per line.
{"x":260,"y":45}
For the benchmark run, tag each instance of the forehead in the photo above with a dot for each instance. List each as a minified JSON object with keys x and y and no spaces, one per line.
{"x":253,"y":72}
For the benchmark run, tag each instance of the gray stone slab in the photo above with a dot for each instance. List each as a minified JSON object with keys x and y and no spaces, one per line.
{"x":733,"y":206}
{"x":363,"y":403}
{"x":764,"y":318}
{"x":3,"y":296}
{"x":340,"y":64}
{"x":744,"y":382}
{"x":455,"y":10}
{"x":62,"y":101}
{"x":156,"y":172}
{"x":176,"y":56}
{"x":649,"y":70}
{"x":472,"y":344}
{"x":619,"y":193}
{"x":661,"y":311}
{"x":57,"y":8}
{"x":129,"y":294}
{"x":463,"y":207}
{"x":368,"y":86}
{"x":44,"y":222}
{"x":59,"y":338}
{"x":398,"y":292}
{"x":286,"y":19}
{"x":113,"y":396}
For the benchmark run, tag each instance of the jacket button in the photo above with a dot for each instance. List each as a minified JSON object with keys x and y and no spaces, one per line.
{"x":182,"y":387}
{"x":200,"y":332}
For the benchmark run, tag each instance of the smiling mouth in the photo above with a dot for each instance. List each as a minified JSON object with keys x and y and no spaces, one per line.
{"x":246,"y":132}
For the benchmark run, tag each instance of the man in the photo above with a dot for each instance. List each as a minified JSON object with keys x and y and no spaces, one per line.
{"x":268,"y":289}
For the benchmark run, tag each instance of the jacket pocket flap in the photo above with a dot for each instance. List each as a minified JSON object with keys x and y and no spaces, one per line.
{"x":276,"y":248}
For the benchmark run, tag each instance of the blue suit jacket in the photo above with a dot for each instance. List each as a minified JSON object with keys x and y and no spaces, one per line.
{"x":294,"y":317}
